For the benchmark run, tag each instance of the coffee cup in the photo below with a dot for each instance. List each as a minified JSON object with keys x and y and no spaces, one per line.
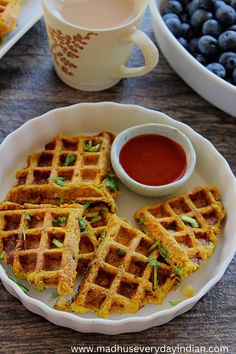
{"x":91,"y":58}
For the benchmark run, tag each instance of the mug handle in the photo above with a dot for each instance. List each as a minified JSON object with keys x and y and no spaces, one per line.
{"x":150,"y":53}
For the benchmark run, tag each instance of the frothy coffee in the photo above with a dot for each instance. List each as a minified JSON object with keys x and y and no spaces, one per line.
{"x":95,"y":14}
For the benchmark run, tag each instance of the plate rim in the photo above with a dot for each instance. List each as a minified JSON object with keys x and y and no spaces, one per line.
{"x":36,"y":306}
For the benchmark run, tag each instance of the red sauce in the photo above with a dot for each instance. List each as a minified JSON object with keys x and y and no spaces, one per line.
{"x":153,"y":160}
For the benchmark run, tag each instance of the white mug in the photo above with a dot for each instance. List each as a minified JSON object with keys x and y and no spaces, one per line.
{"x":96,"y":59}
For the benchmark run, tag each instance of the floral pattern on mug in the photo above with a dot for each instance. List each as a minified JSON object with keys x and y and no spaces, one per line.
{"x":65,"y":48}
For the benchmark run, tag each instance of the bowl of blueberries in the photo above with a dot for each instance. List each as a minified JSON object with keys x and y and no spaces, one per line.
{"x":198,"y":39}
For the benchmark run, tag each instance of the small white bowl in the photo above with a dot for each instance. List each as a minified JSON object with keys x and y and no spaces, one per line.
{"x":152,"y":128}
{"x":214,"y":89}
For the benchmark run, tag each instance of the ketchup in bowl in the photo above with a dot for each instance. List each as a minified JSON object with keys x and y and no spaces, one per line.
{"x":153,"y":159}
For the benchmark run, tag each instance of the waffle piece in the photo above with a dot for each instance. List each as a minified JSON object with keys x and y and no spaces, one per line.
{"x":41,"y":245}
{"x":70,"y":170}
{"x":120,"y":278}
{"x":9,"y":12}
{"x":183,"y":245}
{"x":93,"y":227}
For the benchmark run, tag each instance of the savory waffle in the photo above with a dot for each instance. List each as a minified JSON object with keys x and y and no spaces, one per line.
{"x":93,"y":227}
{"x":92,"y":224}
{"x":125,"y":272}
{"x":41,"y":244}
{"x":9,"y":12}
{"x":185,"y":227}
{"x":71,"y":169}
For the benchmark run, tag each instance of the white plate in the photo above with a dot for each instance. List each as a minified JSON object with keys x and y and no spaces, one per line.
{"x":214,"y":89}
{"x":30,"y":14}
{"x":92,"y":118}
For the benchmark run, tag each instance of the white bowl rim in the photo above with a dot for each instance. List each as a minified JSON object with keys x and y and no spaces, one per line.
{"x":165,"y":187}
{"x":155,"y":12}
{"x":174,"y":311}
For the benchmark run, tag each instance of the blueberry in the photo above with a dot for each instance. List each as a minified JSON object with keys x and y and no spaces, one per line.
{"x":206,"y":4}
{"x":233,"y":4}
{"x":234,"y":76}
{"x":183,"y":42}
{"x":226,"y":15}
{"x":211,"y":27}
{"x":228,"y":60}
{"x":193,"y":45}
{"x":219,"y":4}
{"x":217,"y":69}
{"x":193,"y":6}
{"x":167,"y":16}
{"x":185,"y":30}
{"x":174,"y":26}
{"x":200,"y":58}
{"x":227,"y":41}
{"x":199,"y":17}
{"x":208,"y":45}
{"x":173,"y":6}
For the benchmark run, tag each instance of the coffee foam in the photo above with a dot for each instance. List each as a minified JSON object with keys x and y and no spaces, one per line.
{"x":56,"y":5}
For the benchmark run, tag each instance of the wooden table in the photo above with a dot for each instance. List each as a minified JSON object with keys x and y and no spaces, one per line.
{"x":28,"y":88}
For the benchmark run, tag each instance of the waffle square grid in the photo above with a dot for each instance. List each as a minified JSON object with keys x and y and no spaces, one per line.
{"x":119,"y":277}
{"x":71,"y":169}
{"x":185,"y":246}
{"x":27,"y":237}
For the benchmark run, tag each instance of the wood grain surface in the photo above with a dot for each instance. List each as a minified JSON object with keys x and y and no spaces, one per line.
{"x":29,"y":87}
